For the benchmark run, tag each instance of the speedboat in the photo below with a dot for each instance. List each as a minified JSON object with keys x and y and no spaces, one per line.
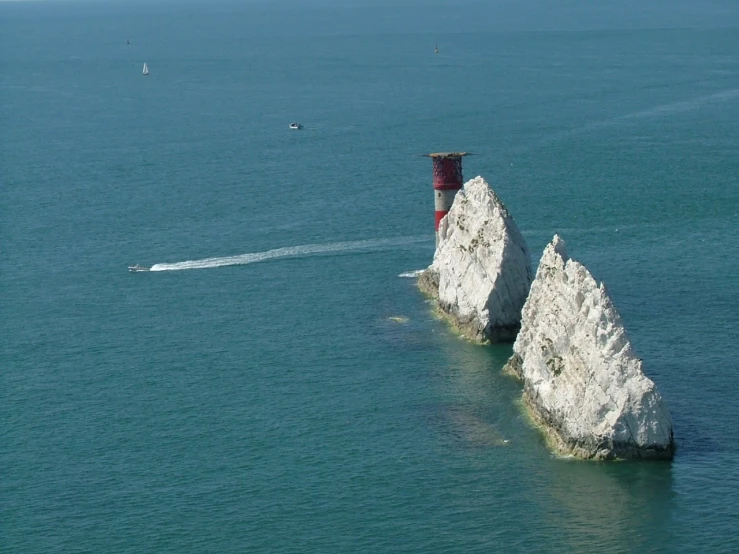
{"x":295,"y":126}
{"x":137,"y":268}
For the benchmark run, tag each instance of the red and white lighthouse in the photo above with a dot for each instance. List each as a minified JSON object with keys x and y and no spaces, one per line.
{"x":447,"y":181}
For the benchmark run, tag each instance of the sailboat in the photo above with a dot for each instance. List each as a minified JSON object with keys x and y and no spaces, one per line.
{"x":436,"y":49}
{"x":146,"y":69}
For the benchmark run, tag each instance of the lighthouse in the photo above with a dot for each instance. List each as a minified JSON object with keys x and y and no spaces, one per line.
{"x":447,"y":181}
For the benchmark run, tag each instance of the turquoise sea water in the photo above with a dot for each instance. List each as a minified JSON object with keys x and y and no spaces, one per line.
{"x":268,"y":402}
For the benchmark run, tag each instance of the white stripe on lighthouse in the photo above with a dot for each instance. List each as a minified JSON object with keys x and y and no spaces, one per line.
{"x":443,"y":199}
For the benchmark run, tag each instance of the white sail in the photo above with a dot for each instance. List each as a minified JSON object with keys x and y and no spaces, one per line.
{"x":146,"y":69}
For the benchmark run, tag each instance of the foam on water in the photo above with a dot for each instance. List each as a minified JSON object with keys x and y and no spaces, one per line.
{"x":411,"y":274}
{"x":292,"y":252}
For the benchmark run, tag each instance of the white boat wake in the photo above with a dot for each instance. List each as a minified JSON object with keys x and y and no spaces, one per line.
{"x":412,"y":274}
{"x":293,"y":252}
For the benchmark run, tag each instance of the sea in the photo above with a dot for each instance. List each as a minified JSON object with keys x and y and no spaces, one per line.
{"x":277,"y":382}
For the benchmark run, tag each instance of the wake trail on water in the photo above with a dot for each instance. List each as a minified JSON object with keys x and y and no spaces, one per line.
{"x":412,"y":274}
{"x":661,"y":111}
{"x":301,"y":251}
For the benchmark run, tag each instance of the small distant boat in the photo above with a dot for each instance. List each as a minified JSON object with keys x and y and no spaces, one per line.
{"x":146,"y":69}
{"x":436,"y":49}
{"x":137,"y":268}
{"x":295,"y":126}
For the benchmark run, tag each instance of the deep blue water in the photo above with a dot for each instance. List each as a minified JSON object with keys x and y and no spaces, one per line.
{"x":276,"y":405}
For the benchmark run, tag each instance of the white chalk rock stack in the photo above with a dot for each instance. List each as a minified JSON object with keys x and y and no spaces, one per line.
{"x":481,"y":271}
{"x":582,"y":381}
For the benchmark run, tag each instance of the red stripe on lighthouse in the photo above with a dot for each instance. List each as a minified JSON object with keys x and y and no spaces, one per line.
{"x":439,"y":217}
{"x":447,"y":172}
{"x":447,"y":180}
